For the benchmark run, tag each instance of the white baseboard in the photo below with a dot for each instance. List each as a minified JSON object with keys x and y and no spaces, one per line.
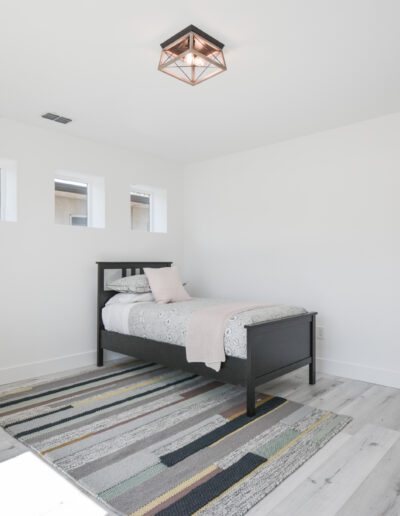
{"x":51,"y":366}
{"x":44,"y":367}
{"x":387,"y":377}
{"x":30,"y":370}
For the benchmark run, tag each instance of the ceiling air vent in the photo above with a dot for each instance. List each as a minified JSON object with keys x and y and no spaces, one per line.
{"x":57,"y":118}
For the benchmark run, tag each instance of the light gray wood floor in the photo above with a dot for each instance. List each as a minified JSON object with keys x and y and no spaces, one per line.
{"x":356,"y":474}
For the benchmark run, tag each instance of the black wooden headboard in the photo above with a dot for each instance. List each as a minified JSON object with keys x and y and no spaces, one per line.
{"x":127,"y":269}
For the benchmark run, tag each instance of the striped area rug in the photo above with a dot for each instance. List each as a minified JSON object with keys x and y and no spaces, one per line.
{"x":146,"y":440}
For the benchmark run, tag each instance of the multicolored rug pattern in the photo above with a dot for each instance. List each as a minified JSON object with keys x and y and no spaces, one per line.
{"x":147,"y":440}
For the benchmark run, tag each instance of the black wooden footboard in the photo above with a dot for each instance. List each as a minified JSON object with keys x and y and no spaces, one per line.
{"x":277,"y":347}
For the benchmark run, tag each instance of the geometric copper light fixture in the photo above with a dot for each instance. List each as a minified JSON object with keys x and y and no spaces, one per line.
{"x":192,"y":56}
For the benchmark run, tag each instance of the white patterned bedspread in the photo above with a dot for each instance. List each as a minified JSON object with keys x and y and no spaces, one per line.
{"x":169,"y":322}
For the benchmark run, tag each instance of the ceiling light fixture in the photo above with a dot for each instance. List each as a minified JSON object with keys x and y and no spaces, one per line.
{"x":192,"y":56}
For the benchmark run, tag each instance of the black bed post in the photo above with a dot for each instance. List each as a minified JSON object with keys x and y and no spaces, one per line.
{"x":250,"y":383}
{"x":100,"y":287}
{"x":312,"y":366}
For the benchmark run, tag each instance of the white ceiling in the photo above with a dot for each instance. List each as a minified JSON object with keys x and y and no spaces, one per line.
{"x":294,"y":67}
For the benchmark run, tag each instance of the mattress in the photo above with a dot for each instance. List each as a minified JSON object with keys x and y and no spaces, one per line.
{"x":169,"y":322}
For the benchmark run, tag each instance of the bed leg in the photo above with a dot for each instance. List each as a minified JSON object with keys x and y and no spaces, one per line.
{"x":251,"y":399}
{"x":311,"y":372}
{"x":311,"y":367}
{"x":100,"y":357}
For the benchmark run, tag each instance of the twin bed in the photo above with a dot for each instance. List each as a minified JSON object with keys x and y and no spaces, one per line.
{"x":260,"y":345}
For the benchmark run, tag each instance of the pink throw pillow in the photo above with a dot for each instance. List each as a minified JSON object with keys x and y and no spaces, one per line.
{"x":166,"y":284}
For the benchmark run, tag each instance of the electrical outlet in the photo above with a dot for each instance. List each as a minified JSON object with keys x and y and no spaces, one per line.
{"x":320,"y":332}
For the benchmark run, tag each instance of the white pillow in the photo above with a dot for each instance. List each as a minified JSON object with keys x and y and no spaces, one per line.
{"x":166,"y":285}
{"x":138,"y":284}
{"x":127,"y":297}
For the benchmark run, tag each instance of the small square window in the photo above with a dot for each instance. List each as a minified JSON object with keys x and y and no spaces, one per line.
{"x":71,"y":202}
{"x":148,"y":209}
{"x":141,"y":211}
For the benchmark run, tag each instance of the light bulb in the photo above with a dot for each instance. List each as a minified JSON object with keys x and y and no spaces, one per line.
{"x":198,"y":61}
{"x":191,"y":59}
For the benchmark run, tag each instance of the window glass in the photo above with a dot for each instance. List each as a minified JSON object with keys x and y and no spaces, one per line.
{"x":71,"y":202}
{"x":148,"y":208}
{"x":141,"y":211}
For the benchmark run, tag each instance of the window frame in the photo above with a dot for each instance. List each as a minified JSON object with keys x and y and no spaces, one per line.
{"x":2,"y":194}
{"x":8,"y":190}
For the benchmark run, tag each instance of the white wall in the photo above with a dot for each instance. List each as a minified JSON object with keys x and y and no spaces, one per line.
{"x":315,"y":222}
{"x":48,"y":271}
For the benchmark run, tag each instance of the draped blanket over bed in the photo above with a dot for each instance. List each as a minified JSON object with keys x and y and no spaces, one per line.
{"x":209,"y":328}
{"x":206,"y":331}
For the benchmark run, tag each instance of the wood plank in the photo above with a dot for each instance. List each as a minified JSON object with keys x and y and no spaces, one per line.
{"x":377,"y":405}
{"x":285,"y":385}
{"x":306,"y":393}
{"x":337,"y":398}
{"x":380,"y":492}
{"x":326,"y":490}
